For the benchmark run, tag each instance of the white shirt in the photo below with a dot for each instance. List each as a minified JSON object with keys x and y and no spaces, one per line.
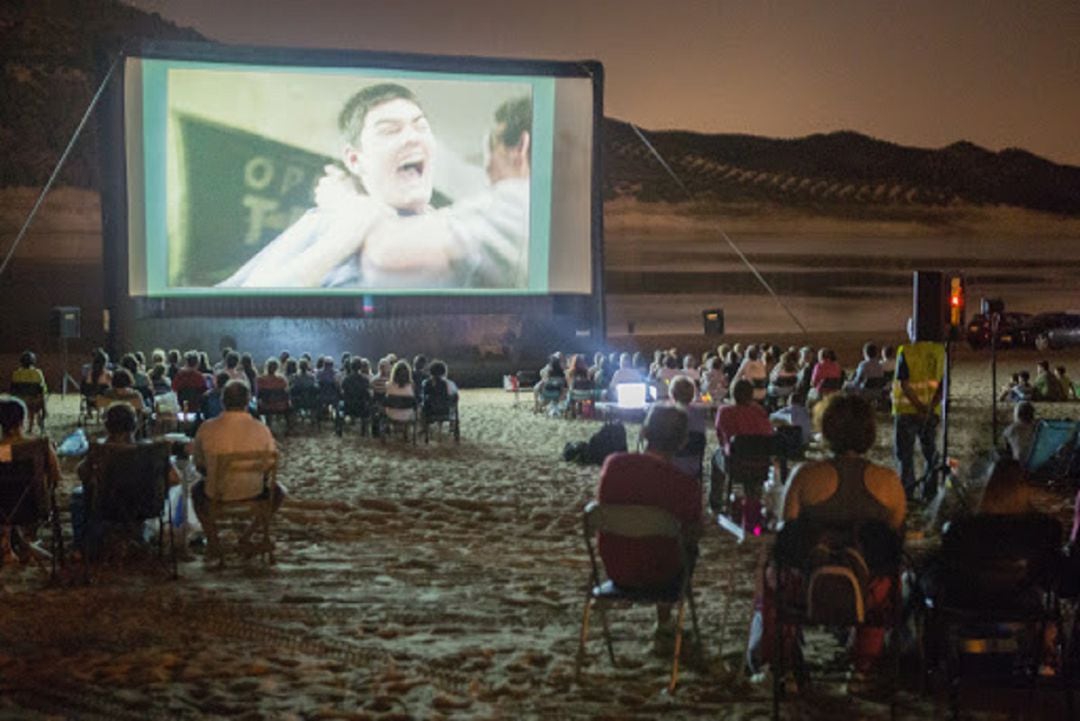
{"x":232,"y":432}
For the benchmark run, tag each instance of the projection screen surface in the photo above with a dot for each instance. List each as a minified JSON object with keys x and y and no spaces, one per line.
{"x":269,"y":179}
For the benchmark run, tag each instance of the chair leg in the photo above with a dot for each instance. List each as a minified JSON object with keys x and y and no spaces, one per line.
{"x":678,"y":648}
{"x":607,"y":635}
{"x":583,"y":637}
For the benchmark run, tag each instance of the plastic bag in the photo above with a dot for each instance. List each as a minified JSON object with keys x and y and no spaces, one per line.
{"x":75,"y":444}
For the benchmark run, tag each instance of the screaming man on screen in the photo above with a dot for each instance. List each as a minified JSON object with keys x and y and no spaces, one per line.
{"x":387,"y":235}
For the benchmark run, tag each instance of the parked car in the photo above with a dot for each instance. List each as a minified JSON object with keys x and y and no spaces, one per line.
{"x":1048,"y":330}
{"x":978,"y":330}
{"x":1064,"y":336}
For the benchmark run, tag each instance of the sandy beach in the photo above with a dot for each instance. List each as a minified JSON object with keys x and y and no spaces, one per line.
{"x":436,"y":581}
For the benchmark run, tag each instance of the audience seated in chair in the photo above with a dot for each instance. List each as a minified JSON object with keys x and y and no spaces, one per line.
{"x":782,"y":380}
{"x":234,"y":431}
{"x":356,"y":402}
{"x":827,"y":377}
{"x":439,"y":400}
{"x":794,"y":414}
{"x":999,"y":570}
{"x":1019,"y":436}
{"x":742,"y":418}
{"x":869,"y":378}
{"x":121,"y":424}
{"x":122,"y":392}
{"x":752,"y":369}
{"x":19,"y":541}
{"x":28,"y":383}
{"x":688,"y":459}
{"x":651,"y":479}
{"x":550,"y":392}
{"x":399,"y":407}
{"x":844,"y":489}
{"x":1048,"y":386}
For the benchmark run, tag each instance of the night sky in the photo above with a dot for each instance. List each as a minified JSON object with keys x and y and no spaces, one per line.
{"x":1000,"y":73}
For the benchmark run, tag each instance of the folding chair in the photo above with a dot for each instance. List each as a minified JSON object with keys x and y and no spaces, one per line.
{"x":998,"y":574}
{"x":746,"y":465}
{"x":25,"y":496}
{"x":636,"y":522}
{"x":438,"y":410}
{"x":257,"y":510}
{"x":356,"y":405}
{"x":551,"y":393}
{"x":779,"y":391}
{"x":129,"y":484}
{"x":329,"y":398}
{"x":274,"y":403}
{"x":578,"y":400}
{"x":190,"y":400}
{"x":90,"y":406}
{"x":823,"y":572}
{"x":305,"y":402}
{"x":33,"y":395}
{"x":389,"y":425}
{"x":876,"y":393}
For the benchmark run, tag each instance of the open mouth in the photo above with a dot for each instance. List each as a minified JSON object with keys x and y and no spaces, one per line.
{"x":414,"y":169}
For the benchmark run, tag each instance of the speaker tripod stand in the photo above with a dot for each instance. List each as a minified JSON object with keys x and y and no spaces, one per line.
{"x":67,"y":376}
{"x":940,"y":476}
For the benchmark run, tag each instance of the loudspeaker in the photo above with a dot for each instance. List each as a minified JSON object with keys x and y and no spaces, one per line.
{"x":931,"y":309}
{"x":713,"y":319}
{"x":65,"y":322}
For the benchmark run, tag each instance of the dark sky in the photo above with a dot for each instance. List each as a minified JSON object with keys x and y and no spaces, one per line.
{"x":1000,"y":73}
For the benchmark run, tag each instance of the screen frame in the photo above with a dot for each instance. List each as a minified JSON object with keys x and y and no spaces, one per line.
{"x":115,"y":199}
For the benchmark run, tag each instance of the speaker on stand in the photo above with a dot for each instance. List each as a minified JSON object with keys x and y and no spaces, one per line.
{"x":65,"y":323}
{"x":713,"y":320}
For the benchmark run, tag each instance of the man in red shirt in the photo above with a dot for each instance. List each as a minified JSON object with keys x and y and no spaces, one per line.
{"x":650,"y":479}
{"x":744,"y":418}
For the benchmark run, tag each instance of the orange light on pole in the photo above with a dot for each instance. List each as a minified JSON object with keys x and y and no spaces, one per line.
{"x":956,"y":301}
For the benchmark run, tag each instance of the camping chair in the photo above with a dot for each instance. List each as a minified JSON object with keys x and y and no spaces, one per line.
{"x":747,"y":465}
{"x":257,"y":510}
{"x":997,"y":574}
{"x":389,"y":425}
{"x":438,"y":409}
{"x":876,"y":393}
{"x":636,"y":522}
{"x":356,"y":405}
{"x":822,"y":573}
{"x":25,"y":496}
{"x":33,"y":395}
{"x":1052,"y":450}
{"x":129,"y":484}
{"x":274,"y":402}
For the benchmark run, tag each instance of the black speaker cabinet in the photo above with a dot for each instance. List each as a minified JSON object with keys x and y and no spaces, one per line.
{"x":713,"y":319}
{"x":65,"y":322}
{"x":931,"y":310}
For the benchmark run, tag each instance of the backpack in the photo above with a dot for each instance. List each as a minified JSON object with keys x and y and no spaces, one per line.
{"x":839,"y":577}
{"x":611,"y":438}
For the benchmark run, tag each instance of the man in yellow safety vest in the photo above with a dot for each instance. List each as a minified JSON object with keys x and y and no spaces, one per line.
{"x":916,"y":404}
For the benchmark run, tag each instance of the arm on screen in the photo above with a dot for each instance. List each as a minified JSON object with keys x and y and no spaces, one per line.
{"x":342,"y":236}
{"x":414,"y":243}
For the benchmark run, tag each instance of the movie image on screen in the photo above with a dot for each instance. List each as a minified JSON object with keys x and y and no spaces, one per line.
{"x":280,"y":179}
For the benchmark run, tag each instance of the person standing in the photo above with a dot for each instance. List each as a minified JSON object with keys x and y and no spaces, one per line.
{"x":916,"y":406}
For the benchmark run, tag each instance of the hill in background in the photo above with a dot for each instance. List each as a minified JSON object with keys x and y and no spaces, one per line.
{"x":54,"y":53}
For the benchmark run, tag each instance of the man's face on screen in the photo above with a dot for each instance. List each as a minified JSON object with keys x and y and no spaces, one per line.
{"x":395,"y":155}
{"x":504,"y":162}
